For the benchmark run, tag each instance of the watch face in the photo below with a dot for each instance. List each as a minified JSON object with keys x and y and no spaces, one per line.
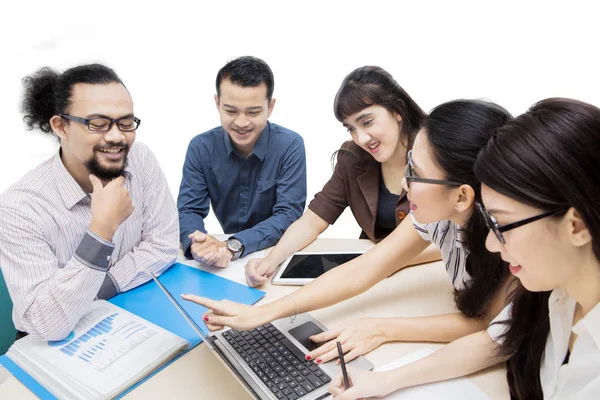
{"x":234,"y":245}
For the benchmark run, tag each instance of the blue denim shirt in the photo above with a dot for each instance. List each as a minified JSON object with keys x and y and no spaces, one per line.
{"x":256,"y":199}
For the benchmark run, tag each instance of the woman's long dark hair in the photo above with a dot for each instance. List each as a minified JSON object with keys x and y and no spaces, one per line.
{"x":370,"y":85}
{"x":457,"y":131}
{"x":547,"y":158}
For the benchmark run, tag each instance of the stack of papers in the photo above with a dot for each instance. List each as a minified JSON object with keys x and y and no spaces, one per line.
{"x":455,"y":389}
{"x":109,"y":350}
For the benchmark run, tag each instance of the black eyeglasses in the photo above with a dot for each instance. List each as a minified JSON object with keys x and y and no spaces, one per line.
{"x":411,"y":175}
{"x":495,"y":227}
{"x":104,"y":124}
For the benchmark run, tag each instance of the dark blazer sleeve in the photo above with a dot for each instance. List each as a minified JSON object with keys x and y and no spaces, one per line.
{"x":332,"y":200}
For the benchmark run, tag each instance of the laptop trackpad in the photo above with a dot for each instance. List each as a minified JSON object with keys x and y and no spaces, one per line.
{"x":303,"y":332}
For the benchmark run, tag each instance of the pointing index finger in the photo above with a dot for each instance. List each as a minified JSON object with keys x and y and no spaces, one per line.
{"x":214,"y":305}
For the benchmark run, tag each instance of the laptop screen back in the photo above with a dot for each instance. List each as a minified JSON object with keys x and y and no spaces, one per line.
{"x":183,"y":312}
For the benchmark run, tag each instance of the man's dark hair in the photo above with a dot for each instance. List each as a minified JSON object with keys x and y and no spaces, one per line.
{"x":247,"y":71}
{"x":48,"y":93}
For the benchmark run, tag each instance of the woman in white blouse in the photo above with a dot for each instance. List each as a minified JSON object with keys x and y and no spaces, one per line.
{"x":540,"y":179}
{"x":542,"y":199}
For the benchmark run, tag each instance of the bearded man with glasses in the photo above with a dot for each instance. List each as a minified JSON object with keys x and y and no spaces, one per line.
{"x":93,"y":220}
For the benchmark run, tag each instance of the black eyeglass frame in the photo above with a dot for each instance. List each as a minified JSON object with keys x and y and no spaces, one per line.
{"x":410,"y":177}
{"x":494,"y":226}
{"x":86,"y":122}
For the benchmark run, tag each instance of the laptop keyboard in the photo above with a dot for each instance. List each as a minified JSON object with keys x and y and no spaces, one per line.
{"x":277,"y":361}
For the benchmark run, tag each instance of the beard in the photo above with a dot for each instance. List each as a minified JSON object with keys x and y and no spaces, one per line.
{"x":107,"y":174}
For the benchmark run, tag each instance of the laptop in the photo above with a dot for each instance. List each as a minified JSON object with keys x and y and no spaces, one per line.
{"x":269,"y":359}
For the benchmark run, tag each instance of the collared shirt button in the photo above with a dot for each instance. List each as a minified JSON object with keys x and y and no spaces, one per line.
{"x":244,"y":191}
{"x":401,"y":215}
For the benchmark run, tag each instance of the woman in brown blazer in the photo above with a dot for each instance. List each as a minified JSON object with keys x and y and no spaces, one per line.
{"x":383,"y":121}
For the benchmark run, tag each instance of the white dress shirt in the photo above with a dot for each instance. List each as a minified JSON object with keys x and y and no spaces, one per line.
{"x":54,"y":266}
{"x":578,"y":379}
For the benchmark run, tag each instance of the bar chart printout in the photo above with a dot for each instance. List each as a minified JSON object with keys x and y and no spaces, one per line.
{"x":106,"y":341}
{"x":108,"y":350}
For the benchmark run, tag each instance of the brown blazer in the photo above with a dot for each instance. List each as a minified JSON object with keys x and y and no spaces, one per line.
{"x":355,"y":183}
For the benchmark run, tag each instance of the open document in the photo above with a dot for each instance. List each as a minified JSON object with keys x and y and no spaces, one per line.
{"x":454,"y":389}
{"x":108,"y":350}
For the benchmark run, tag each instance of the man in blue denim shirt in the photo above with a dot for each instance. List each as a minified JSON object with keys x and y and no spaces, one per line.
{"x":252,"y":171}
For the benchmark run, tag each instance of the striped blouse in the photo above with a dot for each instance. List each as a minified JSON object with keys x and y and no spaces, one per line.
{"x":54,"y":266}
{"x":447,"y":236}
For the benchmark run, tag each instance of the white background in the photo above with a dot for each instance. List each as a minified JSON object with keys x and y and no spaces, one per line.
{"x":168,"y":54}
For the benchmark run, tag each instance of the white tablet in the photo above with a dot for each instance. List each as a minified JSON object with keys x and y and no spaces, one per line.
{"x":303,"y":267}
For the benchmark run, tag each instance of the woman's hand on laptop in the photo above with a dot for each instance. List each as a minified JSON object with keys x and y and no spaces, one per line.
{"x":227,"y":313}
{"x":358,"y":337}
{"x":258,"y":271}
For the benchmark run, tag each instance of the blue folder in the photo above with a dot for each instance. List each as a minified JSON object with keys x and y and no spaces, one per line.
{"x":149,"y":302}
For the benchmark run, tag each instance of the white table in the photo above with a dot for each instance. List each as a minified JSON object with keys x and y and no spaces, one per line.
{"x":414,"y":291}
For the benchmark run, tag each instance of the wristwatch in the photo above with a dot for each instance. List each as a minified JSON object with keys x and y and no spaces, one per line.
{"x":236,"y":247}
